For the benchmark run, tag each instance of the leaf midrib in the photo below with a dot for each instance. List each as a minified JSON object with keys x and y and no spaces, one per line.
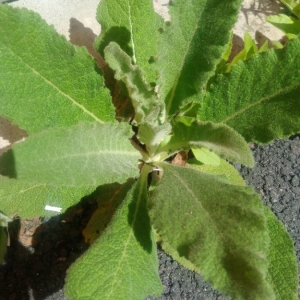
{"x":54,"y":86}
{"x":23,"y":191}
{"x":130,"y":235}
{"x":260,"y":101}
{"x":131,"y":32}
{"x":93,"y":154}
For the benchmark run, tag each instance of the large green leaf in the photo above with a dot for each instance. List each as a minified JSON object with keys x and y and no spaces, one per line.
{"x":283,"y":271}
{"x":122,"y":263}
{"x":133,"y":24}
{"x":219,"y":138}
{"x":142,"y":95}
{"x":220,"y":228}
{"x":260,"y":97}
{"x":191,"y":46}
{"x":29,"y":199}
{"x":87,"y":154}
{"x":44,"y":80}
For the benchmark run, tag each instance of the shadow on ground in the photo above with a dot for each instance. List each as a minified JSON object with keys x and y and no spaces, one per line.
{"x":40,"y":270}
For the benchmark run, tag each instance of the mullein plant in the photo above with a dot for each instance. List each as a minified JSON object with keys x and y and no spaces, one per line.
{"x":167,"y":95}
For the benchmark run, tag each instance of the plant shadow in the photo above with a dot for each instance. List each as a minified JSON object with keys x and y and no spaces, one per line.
{"x":84,"y":37}
{"x":262,"y":7}
{"x":38,"y":271}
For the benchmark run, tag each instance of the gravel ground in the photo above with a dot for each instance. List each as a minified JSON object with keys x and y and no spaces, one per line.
{"x":38,"y":271}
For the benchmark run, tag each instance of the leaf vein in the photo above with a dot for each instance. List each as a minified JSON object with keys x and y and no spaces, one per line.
{"x":263,"y":99}
{"x":131,"y":33}
{"x":127,"y":243}
{"x":57,"y":89}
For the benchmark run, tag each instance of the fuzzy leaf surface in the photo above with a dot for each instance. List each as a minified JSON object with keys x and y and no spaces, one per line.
{"x":142,"y":95}
{"x":46,"y":81}
{"x":283,"y":271}
{"x":260,"y":97}
{"x":191,"y":46}
{"x":86,"y":154}
{"x":122,"y":263}
{"x":219,"y":138}
{"x":14,"y":195}
{"x":220,"y":228}
{"x":134,"y":26}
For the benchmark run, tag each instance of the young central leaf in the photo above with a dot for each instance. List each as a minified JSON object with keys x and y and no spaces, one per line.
{"x":86,"y":154}
{"x":220,"y":228}
{"x":143,"y":97}
{"x":152,"y":135}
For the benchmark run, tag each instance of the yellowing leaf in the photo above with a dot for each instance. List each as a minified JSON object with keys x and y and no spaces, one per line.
{"x":205,"y":156}
{"x":109,"y":197}
{"x":224,"y":169}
